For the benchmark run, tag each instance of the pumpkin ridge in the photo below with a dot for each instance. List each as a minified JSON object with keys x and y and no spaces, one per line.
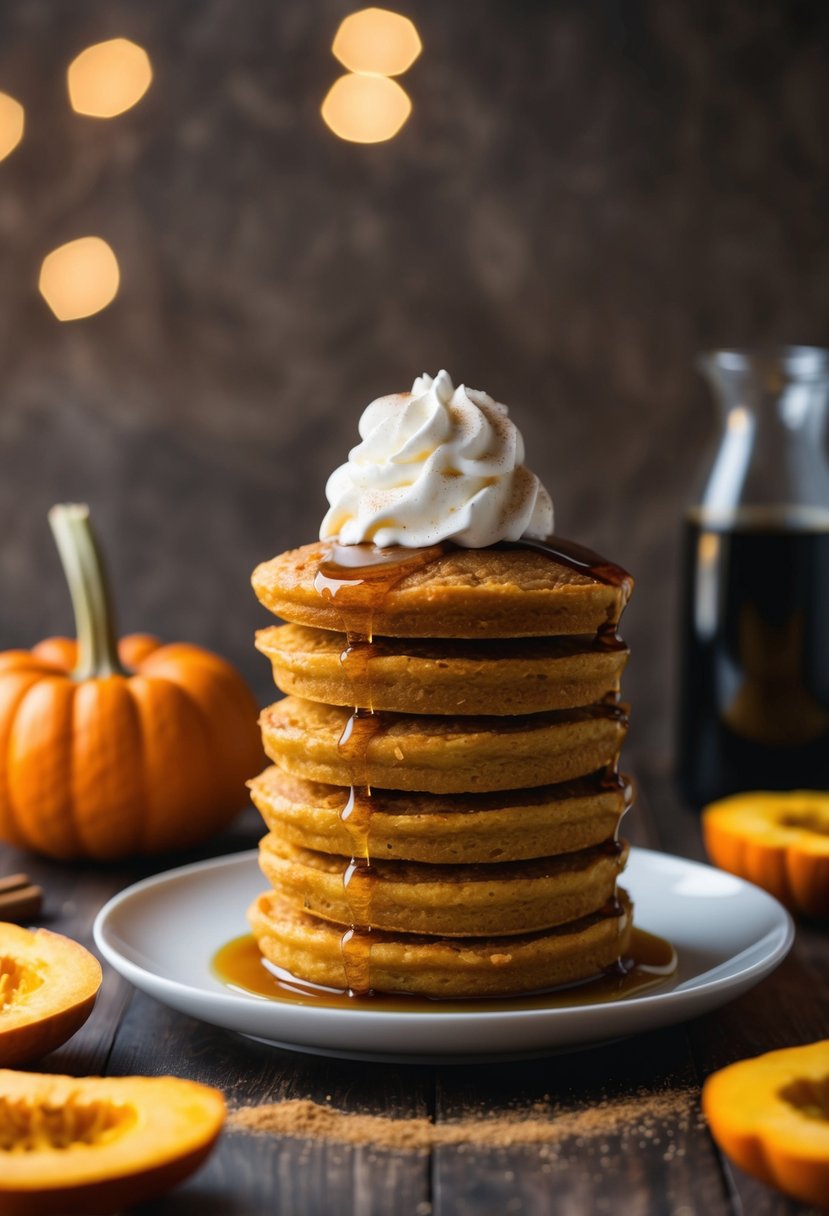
{"x":156,"y":814}
{"x":27,"y":660}
{"x":216,"y":689}
{"x":217,"y":813}
{"x":145,"y":826}
{"x":70,"y":775}
{"x":135,"y":648}
{"x":70,"y":778}
{"x":6,"y":800}
{"x":140,"y":770}
{"x":105,"y":774}
{"x":60,"y":684}
{"x":57,"y":653}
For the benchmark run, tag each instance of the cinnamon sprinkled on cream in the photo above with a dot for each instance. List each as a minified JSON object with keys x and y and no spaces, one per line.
{"x":439,"y":463}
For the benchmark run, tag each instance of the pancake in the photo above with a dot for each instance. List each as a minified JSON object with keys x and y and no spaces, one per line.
{"x":310,"y":949}
{"x":451,"y":677}
{"x":440,"y":755}
{"x":513,"y":825}
{"x":500,"y":592}
{"x":453,"y":901}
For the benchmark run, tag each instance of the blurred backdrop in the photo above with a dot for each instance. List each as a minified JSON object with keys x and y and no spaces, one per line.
{"x":583,"y":196}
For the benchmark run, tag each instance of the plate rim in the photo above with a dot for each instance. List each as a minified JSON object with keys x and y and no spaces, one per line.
{"x":696,"y":987}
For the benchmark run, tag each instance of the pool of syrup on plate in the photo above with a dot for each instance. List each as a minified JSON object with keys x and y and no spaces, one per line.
{"x":650,"y":961}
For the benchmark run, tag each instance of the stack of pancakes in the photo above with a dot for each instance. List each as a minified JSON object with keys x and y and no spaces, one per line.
{"x":444,"y":793}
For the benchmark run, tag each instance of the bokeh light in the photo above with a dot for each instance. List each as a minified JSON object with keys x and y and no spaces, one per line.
{"x":12,"y":121}
{"x":377,"y":40}
{"x":108,"y":78}
{"x":366,"y":109}
{"x":79,"y":278}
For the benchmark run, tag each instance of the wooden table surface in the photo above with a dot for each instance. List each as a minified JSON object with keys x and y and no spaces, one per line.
{"x":676,"y":1169}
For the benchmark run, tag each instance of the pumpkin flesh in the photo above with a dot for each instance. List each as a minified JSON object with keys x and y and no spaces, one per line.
{"x":48,"y":985}
{"x":780,"y":841}
{"x":770,"y":1115}
{"x":98,"y":1144}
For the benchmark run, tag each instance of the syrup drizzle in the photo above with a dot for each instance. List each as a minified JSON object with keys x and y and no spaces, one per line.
{"x":579,"y":558}
{"x":584,"y":561}
{"x":359,"y":877}
{"x":356,"y":579}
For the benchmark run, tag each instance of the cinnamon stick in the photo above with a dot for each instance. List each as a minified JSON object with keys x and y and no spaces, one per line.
{"x":20,"y":899}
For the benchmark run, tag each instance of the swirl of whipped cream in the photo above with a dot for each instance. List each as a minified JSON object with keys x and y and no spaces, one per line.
{"x":438,"y":463}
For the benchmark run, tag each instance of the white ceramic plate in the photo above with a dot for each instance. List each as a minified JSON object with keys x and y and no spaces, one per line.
{"x":162,"y":933}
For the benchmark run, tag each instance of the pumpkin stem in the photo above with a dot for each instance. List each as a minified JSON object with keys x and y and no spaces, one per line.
{"x":83,"y":566}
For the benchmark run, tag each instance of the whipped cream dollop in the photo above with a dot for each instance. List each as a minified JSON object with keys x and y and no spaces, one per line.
{"x":438,"y":463}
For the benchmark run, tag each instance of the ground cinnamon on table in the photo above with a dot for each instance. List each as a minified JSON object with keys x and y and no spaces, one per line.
{"x":641,"y":1115}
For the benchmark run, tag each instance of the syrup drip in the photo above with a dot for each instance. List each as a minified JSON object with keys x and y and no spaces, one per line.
{"x":584,"y":561}
{"x":620,"y":781}
{"x":355,"y":660}
{"x":359,"y":877}
{"x":579,"y":558}
{"x":356,"y":578}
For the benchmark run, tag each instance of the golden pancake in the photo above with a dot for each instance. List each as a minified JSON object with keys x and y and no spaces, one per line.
{"x":500,"y":592}
{"x":419,"y":676}
{"x":508,"y":826}
{"x":494,"y":900}
{"x":310,"y":949}
{"x":440,"y":755}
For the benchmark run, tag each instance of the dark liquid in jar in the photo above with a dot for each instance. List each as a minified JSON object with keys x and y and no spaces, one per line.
{"x":650,"y":961}
{"x":754,"y":710}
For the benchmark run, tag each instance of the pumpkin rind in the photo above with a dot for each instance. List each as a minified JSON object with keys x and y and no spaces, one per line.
{"x":60,"y":981}
{"x":764,"y":1133}
{"x":156,"y":1131}
{"x":106,"y":743}
{"x":39,"y":768}
{"x":767,"y":838}
{"x":180,"y":779}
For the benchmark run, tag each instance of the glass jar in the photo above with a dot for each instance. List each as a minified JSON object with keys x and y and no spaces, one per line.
{"x":754,"y":694}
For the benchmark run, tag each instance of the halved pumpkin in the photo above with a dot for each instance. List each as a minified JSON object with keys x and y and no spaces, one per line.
{"x":771,"y":1116}
{"x":98,"y":1144}
{"x":48,"y":985}
{"x":780,"y":841}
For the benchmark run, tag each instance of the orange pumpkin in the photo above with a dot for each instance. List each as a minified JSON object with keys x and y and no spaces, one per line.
{"x":113,"y":750}
{"x":771,"y":1116}
{"x":780,"y":841}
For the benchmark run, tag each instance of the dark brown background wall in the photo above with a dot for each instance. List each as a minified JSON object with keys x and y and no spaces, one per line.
{"x":585,"y":195}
